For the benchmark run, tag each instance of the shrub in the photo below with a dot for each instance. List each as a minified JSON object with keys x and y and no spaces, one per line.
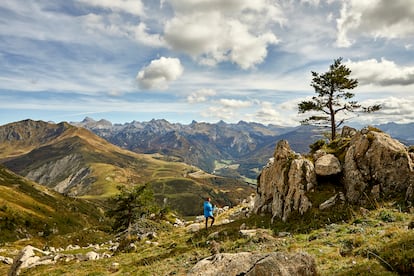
{"x":131,"y":205}
{"x":317,"y":145}
{"x":375,"y":129}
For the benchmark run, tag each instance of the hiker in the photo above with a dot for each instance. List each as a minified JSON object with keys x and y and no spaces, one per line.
{"x":208,"y":211}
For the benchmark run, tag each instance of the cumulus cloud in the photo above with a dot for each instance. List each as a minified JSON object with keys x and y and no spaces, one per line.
{"x":384,"y":72}
{"x":214,"y":31}
{"x":375,"y":18}
{"x":201,"y":95}
{"x":159,"y":73}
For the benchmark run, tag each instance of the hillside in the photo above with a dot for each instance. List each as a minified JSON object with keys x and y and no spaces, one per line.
{"x":376,"y":242}
{"x":29,"y":210}
{"x":78,"y":163}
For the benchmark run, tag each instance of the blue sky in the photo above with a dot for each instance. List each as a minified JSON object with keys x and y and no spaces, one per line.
{"x":203,"y":60}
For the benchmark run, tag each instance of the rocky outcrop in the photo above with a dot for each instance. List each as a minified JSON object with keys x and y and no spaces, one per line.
{"x":377,"y":167}
{"x":30,"y":257}
{"x":284,"y":183}
{"x":256,"y":264}
{"x":327,"y":165}
{"x":374,"y":167}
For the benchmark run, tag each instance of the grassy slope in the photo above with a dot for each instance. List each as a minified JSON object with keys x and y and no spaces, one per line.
{"x":27,"y":209}
{"x":377,"y":242}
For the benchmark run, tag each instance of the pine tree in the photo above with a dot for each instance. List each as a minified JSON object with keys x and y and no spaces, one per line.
{"x":333,"y":96}
{"x":130,"y":205}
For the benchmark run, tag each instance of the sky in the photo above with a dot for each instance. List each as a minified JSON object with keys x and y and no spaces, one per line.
{"x":202,"y":60}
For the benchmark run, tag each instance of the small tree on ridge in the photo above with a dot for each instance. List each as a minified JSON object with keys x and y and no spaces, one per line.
{"x":333,"y":96}
{"x":130,"y":205}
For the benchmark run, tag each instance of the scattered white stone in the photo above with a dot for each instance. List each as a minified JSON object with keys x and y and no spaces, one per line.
{"x":73,"y":247}
{"x":91,"y":256}
{"x":69,"y":258}
{"x":6,"y":260}
{"x":248,"y":233}
{"x":114,"y":267}
{"x":106,"y":255}
{"x":178,"y":223}
{"x":199,"y":219}
{"x":283,"y":234}
{"x":193,"y":227}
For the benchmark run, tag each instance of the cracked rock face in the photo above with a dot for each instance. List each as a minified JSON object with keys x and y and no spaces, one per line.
{"x":284,"y":183}
{"x":378,"y":167}
{"x":256,"y":264}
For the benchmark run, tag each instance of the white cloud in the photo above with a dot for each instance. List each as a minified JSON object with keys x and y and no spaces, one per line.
{"x":232,"y":103}
{"x":375,"y":18}
{"x":383,"y":73}
{"x":215,"y":31}
{"x":227,"y":109}
{"x":126,"y":6}
{"x":219,"y":113}
{"x":141,"y":34}
{"x":268,"y":114}
{"x":159,"y":73}
{"x":394,"y":109}
{"x":116,"y":25}
{"x":201,"y":95}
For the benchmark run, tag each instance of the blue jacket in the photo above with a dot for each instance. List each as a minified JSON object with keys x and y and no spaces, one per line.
{"x":208,"y":209}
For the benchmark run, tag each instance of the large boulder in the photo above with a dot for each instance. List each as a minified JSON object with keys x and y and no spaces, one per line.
{"x":28,"y":257}
{"x":327,"y":165}
{"x":377,"y":167}
{"x":284,"y":182}
{"x":256,"y":264}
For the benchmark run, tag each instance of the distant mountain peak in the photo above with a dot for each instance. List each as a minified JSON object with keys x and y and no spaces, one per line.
{"x":88,"y":120}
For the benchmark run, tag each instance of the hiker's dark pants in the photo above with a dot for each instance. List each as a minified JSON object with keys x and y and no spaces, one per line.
{"x":212,"y":221}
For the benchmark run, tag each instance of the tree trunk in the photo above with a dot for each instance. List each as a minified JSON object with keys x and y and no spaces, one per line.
{"x":332,"y":113}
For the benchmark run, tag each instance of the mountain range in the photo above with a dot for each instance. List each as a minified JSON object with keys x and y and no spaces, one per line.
{"x":233,"y":150}
{"x":75,"y":162}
